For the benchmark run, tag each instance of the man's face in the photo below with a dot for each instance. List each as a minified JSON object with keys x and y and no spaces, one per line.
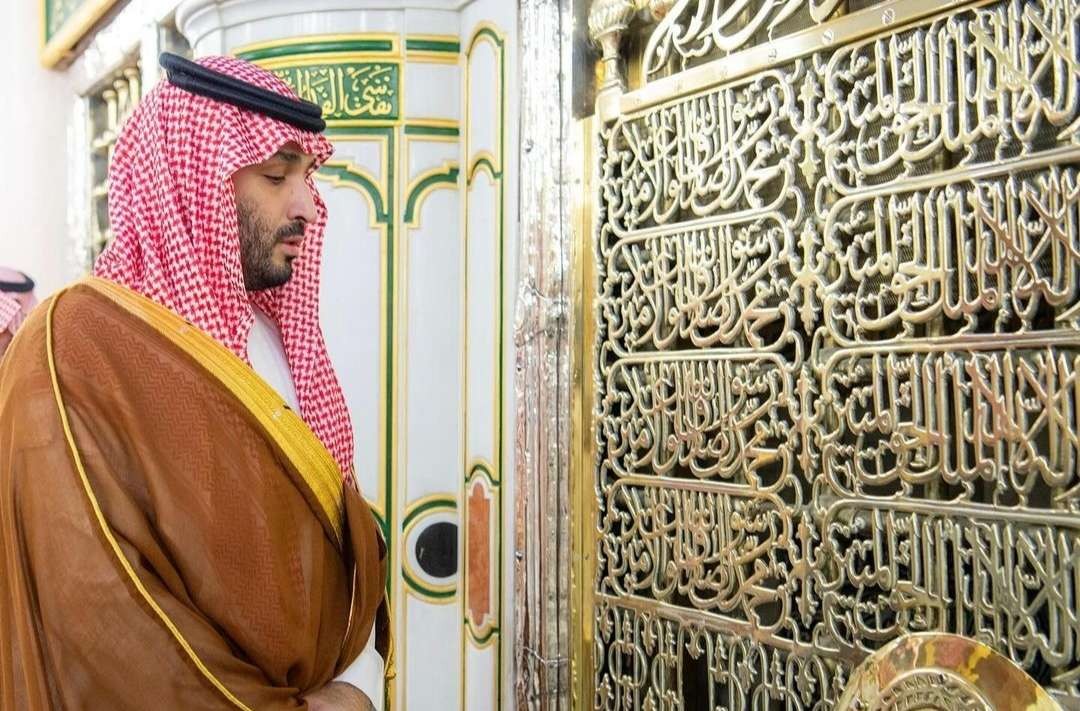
{"x":273,"y":206}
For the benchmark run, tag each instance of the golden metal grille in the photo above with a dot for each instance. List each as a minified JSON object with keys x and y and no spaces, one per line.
{"x":690,"y":32}
{"x":836,"y":351}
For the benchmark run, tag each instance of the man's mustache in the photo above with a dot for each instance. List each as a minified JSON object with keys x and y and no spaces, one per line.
{"x":293,"y":229}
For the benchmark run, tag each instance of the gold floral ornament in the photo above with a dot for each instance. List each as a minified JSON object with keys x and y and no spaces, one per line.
{"x":942,"y":672}
{"x":608,"y":20}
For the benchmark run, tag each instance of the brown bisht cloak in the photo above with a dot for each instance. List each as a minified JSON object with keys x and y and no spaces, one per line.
{"x":172,"y":536}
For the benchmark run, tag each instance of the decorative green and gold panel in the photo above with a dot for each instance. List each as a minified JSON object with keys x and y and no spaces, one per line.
{"x":65,"y":22}
{"x":837,"y":347}
{"x":355,"y":79}
{"x":348,"y":91}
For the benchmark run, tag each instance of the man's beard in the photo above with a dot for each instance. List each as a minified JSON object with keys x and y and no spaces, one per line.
{"x":257,"y":242}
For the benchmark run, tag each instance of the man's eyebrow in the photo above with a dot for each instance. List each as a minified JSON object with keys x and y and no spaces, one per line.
{"x":287,"y":156}
{"x":290,"y":157}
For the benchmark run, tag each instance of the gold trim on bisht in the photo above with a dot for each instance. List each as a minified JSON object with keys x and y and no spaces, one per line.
{"x":285,"y":427}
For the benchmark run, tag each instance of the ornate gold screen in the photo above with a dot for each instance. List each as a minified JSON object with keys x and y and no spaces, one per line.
{"x":837,"y":302}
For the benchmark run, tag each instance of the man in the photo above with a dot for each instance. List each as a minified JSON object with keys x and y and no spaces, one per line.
{"x":16,"y":301}
{"x":175,"y":533}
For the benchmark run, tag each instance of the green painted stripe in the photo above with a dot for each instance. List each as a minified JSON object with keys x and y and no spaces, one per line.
{"x":382,"y":213}
{"x":502,"y":347}
{"x":496,"y":175}
{"x":484,"y":469}
{"x":440,"y":503}
{"x":289,"y":50}
{"x":419,"y":130}
{"x":487,"y":31}
{"x":375,"y":128}
{"x":426,"y":591}
{"x":424,"y":45}
{"x":481,"y":640}
{"x":391,"y":334}
{"x":450,"y":178}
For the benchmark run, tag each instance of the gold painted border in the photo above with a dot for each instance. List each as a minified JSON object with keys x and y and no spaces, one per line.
{"x":393,"y":38}
{"x":583,"y":503}
{"x":421,"y":57}
{"x":308,"y":60}
{"x":435,"y":37}
{"x":56,"y":48}
{"x":104,"y":525}
{"x":434,"y":122}
{"x":286,"y":428}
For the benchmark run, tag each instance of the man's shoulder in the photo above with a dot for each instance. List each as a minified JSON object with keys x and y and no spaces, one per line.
{"x":27,"y":396}
{"x":88,"y":309}
{"x":76,"y":304}
{"x":73,"y":329}
{"x":70,"y":306}
{"x":84,"y":346}
{"x":27,"y":351}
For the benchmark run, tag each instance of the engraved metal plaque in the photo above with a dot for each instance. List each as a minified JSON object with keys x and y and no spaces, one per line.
{"x":836,"y":350}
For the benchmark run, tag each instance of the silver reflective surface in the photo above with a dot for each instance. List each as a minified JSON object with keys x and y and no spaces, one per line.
{"x":542,"y":368}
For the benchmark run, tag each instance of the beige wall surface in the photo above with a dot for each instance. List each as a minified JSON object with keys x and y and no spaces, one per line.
{"x":33,"y":171}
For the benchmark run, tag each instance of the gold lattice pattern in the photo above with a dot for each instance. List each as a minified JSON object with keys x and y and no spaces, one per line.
{"x":837,"y":350}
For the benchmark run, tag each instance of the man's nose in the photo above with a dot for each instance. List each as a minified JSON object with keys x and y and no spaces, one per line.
{"x":302,"y":204}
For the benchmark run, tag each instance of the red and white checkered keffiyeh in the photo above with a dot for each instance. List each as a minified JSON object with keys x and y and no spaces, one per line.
{"x":14,"y":306}
{"x":10,"y":313}
{"x":172,"y":209}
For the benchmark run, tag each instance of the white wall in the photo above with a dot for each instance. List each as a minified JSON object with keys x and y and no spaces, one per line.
{"x":33,"y":131}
